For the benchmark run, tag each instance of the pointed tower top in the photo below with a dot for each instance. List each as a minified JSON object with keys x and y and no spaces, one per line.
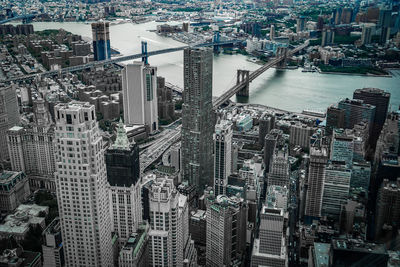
{"x":122,"y":141}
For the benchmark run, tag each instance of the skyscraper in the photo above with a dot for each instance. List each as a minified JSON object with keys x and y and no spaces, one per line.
{"x":378,"y":98}
{"x":328,"y":37}
{"x":336,"y":188}
{"x":101,"y":40}
{"x":53,"y":248}
{"x":279,"y":168}
{"x":170,"y":243}
{"x":301,"y":24}
{"x":123,"y":175}
{"x":342,"y":146}
{"x":334,"y":119}
{"x":139,"y":86}
{"x":366,"y":35}
{"x":385,"y":18}
{"x":316,"y":176}
{"x":222,"y":155}
{"x":197,"y":118}
{"x":81,"y":184}
{"x":9,"y":116}
{"x":356,"y":111}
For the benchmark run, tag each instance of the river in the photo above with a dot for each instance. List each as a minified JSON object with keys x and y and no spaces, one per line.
{"x":285,"y":89}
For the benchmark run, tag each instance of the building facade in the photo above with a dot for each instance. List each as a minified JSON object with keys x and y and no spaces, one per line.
{"x":9,"y":116}
{"x":101,"y":40}
{"x":222,"y":155}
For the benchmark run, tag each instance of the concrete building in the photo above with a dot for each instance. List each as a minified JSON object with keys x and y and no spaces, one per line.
{"x":366,"y":34}
{"x":328,"y":37}
{"x":14,"y":190}
{"x":198,"y":226}
{"x":9,"y":116}
{"x":270,"y":249}
{"x":18,"y":224}
{"x":277,"y":196}
{"x":387,"y":207}
{"x":226,"y":230}
{"x":279,"y":172}
{"x":222,"y":155}
{"x":123,"y":175}
{"x":31,"y":149}
{"x":197,"y":118}
{"x":169,"y":240}
{"x":53,"y":248}
{"x":81,"y":182}
{"x":266,"y":124}
{"x":19,"y":257}
{"x":316,"y":176}
{"x":342,"y":146}
{"x":135,"y":252}
{"x":360,"y":175}
{"x":336,"y":188}
{"x":271,"y":141}
{"x":334,"y":119}
{"x":319,"y":255}
{"x":166,"y":106}
{"x":101,"y":40}
{"x":139,"y":86}
{"x":300,"y":135}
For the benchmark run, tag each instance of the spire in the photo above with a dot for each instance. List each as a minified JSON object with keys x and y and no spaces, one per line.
{"x":121,"y":142}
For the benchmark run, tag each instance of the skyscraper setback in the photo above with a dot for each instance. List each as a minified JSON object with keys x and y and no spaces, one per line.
{"x":81,"y":184}
{"x":197,"y":118}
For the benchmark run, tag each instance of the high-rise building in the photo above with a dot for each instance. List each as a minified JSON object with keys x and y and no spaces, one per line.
{"x":123,"y":175}
{"x":14,"y":190}
{"x":166,"y":107}
{"x":271,"y":141}
{"x":385,"y":20}
{"x":328,"y":37}
{"x":53,"y":248}
{"x":356,"y":111}
{"x":270,"y":249}
{"x":320,"y":23}
{"x":300,"y":135}
{"x":272,"y":32}
{"x":81,"y":183}
{"x":266,"y":124}
{"x":101,"y":40}
{"x":360,"y":175}
{"x":139,"y":86}
{"x":334,"y":119}
{"x":31,"y":149}
{"x":170,"y":242}
{"x":222,"y":155}
{"x":279,"y":172}
{"x":226,"y":230}
{"x":336,"y":188}
{"x":347,"y":16}
{"x":9,"y":116}
{"x":316,"y":176}
{"x":342,"y":146}
{"x":135,"y":252}
{"x":366,"y":35}
{"x":387,"y":207}
{"x":301,"y":24}
{"x":197,"y":118}
{"x":378,"y":98}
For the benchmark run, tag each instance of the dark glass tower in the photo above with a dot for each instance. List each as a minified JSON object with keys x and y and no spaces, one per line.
{"x":197,"y":118}
{"x":101,"y":40}
{"x":122,"y":161}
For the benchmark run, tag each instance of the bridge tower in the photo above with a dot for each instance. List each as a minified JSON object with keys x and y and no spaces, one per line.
{"x":243,"y":76}
{"x":282,"y":52}
{"x":145,"y":57}
{"x":216,"y":39}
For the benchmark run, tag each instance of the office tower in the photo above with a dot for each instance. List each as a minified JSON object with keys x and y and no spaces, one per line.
{"x":360,"y":175}
{"x":347,"y":15}
{"x":342,"y":146}
{"x":139,"y":86}
{"x":320,"y":23}
{"x":123,"y":175}
{"x":101,"y":40}
{"x":266,"y":124}
{"x":279,"y":172}
{"x":316,"y":176}
{"x":197,"y":118}
{"x":271,"y":140}
{"x":272,"y":32}
{"x":337,"y":14}
{"x":14,"y":190}
{"x":226,"y":230}
{"x":166,"y":106}
{"x":222,"y":155}
{"x":336,"y":188}
{"x":378,"y":98}
{"x":328,"y":37}
{"x":366,"y":35}
{"x":81,"y":182}
{"x":170,"y":243}
{"x":31,"y":149}
{"x":301,"y":24}
{"x":356,"y":111}
{"x":300,"y":135}
{"x":135,"y":252}
{"x":387,"y":207}
{"x":9,"y":116}
{"x":53,"y":248}
{"x":269,"y":249}
{"x":334,"y":119}
{"x":385,"y":17}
